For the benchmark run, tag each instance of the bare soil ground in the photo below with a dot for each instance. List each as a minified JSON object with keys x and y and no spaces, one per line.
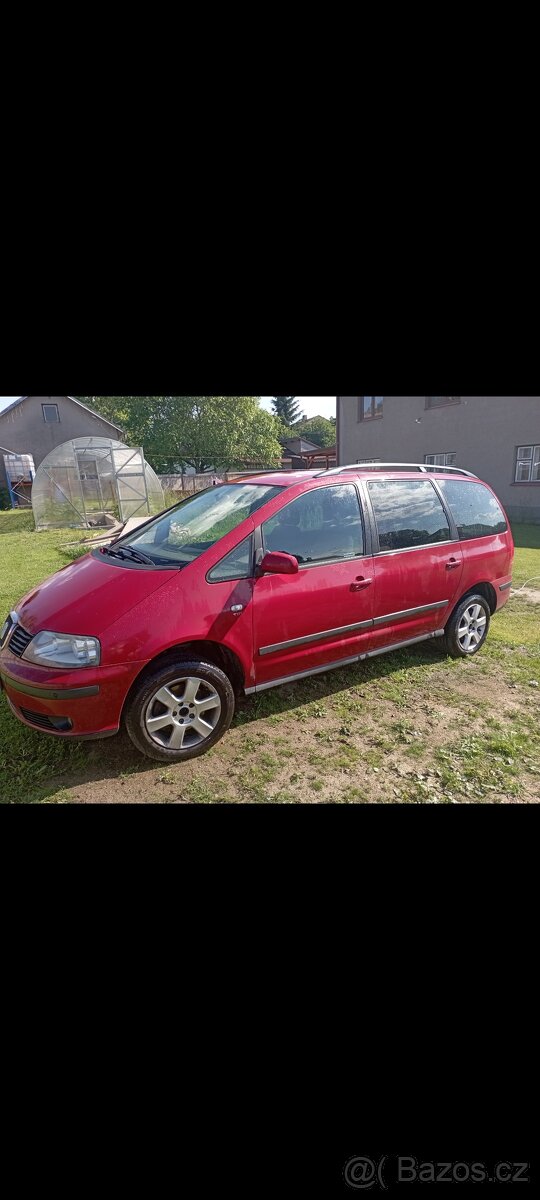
{"x":413,"y":727}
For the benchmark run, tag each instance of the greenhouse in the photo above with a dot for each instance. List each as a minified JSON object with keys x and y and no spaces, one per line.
{"x":94,"y":481}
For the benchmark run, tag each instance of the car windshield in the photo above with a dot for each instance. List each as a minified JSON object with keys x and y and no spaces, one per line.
{"x":183,"y":533}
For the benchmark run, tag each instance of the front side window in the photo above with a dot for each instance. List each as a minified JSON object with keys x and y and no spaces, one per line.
{"x":475,"y":510}
{"x":370,"y":407}
{"x":179,"y":536}
{"x":408,"y":513}
{"x":441,"y":401}
{"x":321,"y":525}
{"x":50,"y":413}
{"x":528,"y":464}
{"x":441,"y":460}
{"x":236,"y":565}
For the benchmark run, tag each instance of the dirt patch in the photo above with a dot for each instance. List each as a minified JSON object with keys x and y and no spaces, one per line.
{"x":429,"y":733}
{"x":530,"y":594}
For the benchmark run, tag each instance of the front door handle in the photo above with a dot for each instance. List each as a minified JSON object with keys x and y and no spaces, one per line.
{"x":454,"y":562}
{"x":360,"y":584}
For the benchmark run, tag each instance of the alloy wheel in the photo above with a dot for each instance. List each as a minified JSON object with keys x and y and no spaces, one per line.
{"x":471,"y":627}
{"x":183,"y":713}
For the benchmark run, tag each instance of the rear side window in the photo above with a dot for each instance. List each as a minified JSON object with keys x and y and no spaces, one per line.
{"x":408,"y":513}
{"x":475,"y":510}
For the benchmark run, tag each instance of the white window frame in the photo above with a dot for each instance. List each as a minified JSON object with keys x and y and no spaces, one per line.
{"x":441,"y":459}
{"x":529,"y":461}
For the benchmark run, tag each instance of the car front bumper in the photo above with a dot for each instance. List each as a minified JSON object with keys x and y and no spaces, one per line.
{"x":75,"y":704}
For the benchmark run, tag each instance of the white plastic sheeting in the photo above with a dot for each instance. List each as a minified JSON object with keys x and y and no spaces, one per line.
{"x":84,"y":481}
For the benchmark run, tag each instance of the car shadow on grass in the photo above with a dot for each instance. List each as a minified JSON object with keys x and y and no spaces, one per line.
{"x":319,"y":687}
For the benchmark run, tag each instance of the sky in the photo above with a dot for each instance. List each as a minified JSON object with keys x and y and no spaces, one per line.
{"x":313,"y":406}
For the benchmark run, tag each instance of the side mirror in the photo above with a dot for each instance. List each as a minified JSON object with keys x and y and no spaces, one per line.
{"x":278,"y":563}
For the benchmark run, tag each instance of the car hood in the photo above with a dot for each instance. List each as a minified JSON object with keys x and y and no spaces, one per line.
{"x":87,"y":596}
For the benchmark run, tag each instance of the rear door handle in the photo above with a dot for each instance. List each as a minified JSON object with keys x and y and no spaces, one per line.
{"x":360,"y":584}
{"x":454,"y":562}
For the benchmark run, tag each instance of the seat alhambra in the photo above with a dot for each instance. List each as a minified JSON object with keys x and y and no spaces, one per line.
{"x":252,"y":584}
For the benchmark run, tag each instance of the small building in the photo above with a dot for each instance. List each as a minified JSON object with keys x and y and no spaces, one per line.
{"x":20,"y":473}
{"x":495,"y":437}
{"x":34,"y":425}
{"x":302,"y":454}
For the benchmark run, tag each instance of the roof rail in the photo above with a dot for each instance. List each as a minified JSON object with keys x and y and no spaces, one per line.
{"x":384,"y":466}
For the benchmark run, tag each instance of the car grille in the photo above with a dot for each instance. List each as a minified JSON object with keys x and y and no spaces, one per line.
{"x":19,"y":640}
{"x":60,"y":724}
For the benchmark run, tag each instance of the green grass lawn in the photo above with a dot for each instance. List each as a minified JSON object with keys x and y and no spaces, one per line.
{"x":27,"y":760}
{"x":379,"y":721}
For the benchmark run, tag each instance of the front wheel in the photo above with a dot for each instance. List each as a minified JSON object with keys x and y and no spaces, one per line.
{"x":467,"y":628}
{"x":180,"y":711}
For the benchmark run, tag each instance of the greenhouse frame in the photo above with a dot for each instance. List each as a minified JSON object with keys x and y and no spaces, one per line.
{"x":94,"y":481}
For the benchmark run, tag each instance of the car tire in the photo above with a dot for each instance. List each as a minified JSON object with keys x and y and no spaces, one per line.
{"x":180,"y":710}
{"x":467,"y":628}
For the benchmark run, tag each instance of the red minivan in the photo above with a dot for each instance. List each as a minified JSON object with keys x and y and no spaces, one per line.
{"x":248,"y":585}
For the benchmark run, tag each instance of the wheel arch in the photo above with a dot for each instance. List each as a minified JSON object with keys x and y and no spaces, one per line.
{"x":479,"y":589}
{"x":221,"y":656}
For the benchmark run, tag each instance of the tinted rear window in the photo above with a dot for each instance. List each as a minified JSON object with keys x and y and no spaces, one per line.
{"x":475,"y":510}
{"x":408,"y":513}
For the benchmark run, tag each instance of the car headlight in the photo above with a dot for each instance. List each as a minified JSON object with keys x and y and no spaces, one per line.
{"x":63,"y":650}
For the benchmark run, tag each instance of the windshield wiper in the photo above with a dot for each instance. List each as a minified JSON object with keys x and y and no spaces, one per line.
{"x":125,"y":551}
{"x":137,"y":555}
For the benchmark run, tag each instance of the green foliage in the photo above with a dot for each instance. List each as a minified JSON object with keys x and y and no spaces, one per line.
{"x":286,"y":408}
{"x":204,"y":432}
{"x":318,"y":430}
{"x":5,"y":501}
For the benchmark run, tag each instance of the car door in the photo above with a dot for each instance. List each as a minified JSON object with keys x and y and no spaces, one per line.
{"x":418,"y":559}
{"x":323,"y":614}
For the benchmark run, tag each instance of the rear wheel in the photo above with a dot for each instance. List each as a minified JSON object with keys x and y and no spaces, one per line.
{"x":467,"y":628}
{"x":180,"y":711}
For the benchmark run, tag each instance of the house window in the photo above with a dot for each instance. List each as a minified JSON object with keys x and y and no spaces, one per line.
{"x":441,"y":460}
{"x":441,"y":401}
{"x":528,"y":464}
{"x":369,"y":407}
{"x":50,"y":413}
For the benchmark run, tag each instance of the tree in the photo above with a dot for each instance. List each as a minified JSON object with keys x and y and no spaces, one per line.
{"x":203,"y":432}
{"x":319,"y":430}
{"x":286,"y":408}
